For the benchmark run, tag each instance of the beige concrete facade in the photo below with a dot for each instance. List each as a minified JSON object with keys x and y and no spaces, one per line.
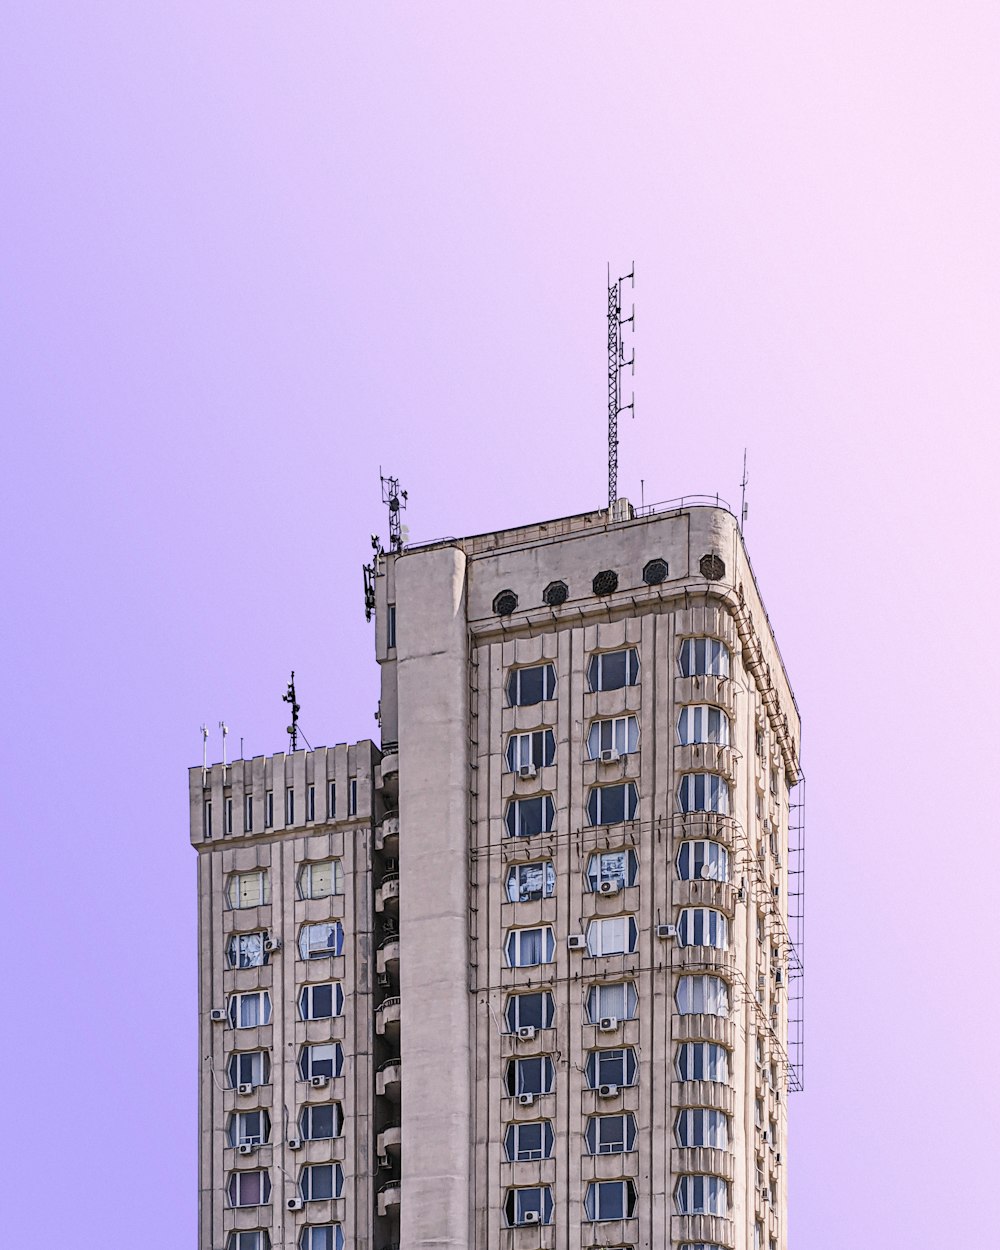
{"x":633,"y":906}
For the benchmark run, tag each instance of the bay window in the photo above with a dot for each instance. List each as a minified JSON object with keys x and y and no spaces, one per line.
{"x":246,"y":950}
{"x":528,"y":1206}
{"x":322,"y":1237}
{"x":321,"y":1122}
{"x":701,"y":723}
{"x":704,"y":657}
{"x":702,"y":860}
{"x":321,"y":1059}
{"x":699,"y":1126}
{"x":247,"y":889}
{"x":249,"y":1067}
{"x":702,"y":1061}
{"x":249,"y":1128}
{"x":707,"y":996}
{"x":704,"y":792}
{"x":321,"y":1180}
{"x":701,"y":1195}
{"x":703,"y":926}
{"x":321,"y":880}
{"x":321,"y":1002}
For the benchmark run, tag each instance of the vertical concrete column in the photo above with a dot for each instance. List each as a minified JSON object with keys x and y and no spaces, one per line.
{"x":433,"y":685}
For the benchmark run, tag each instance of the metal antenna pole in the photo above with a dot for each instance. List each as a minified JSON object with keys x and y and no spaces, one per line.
{"x":204,"y":754}
{"x":743,"y":492}
{"x":225,"y":730}
{"x":293,"y":728}
{"x":396,"y":499}
{"x":616,"y":363}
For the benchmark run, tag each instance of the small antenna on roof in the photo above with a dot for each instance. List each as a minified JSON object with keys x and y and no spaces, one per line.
{"x":225,"y":730}
{"x":293,"y":728}
{"x":396,"y":499}
{"x":204,"y":754}
{"x":743,"y":493}
{"x":616,"y":363}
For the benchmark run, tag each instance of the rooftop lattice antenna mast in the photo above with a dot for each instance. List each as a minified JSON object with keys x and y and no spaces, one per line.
{"x":396,"y":499}
{"x":616,"y":363}
{"x":293,"y":728}
{"x":743,"y":493}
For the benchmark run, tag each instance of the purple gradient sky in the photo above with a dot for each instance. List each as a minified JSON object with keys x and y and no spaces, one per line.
{"x":250,"y":251}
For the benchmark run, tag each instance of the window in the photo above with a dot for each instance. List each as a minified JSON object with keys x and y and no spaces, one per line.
{"x":702,"y":860}
{"x":331,"y":800}
{"x":247,"y":1011}
{"x":526,"y":1142}
{"x":534,"y":1075}
{"x":527,"y":947}
{"x":319,"y":940}
{"x":610,"y":1134}
{"x":247,"y":889}
{"x":390,"y":626}
{"x":321,"y":880}
{"x":352,"y":797}
{"x":704,"y":792}
{"x":227,"y":816}
{"x":322,"y":1237}
{"x":610,"y":805}
{"x":322,"y":1122}
{"x":704,"y":996}
{"x":249,"y":1128}
{"x":702,"y":1061}
{"x":529,"y":1010}
{"x":310,"y":803}
{"x":703,"y":724}
{"x":700,"y":1127}
{"x":618,"y":868}
{"x":620,"y":735}
{"x":253,"y":1239}
{"x":269,"y":809}
{"x":774,"y":781}
{"x":527,"y":686}
{"x":527,"y":883}
{"x":248,"y":813}
{"x":772,"y":1133}
{"x":534,"y":750}
{"x":701,"y":1195}
{"x":702,"y":926}
{"x":526,"y":817}
{"x":323,"y":1059}
{"x":249,"y":1189}
{"x":246,"y":950}
{"x":521,"y":1204}
{"x":617,"y":1001}
{"x":704,"y":657}
{"x":758,"y":1236}
{"x":321,"y":1002}
{"x":289,"y":806}
{"x":611,"y":1067}
{"x":251,"y":1067}
{"x":614,"y":935}
{"x":609,"y":1200}
{"x":611,"y":670}
{"x":321,"y":1180}
{"x":207,"y":817}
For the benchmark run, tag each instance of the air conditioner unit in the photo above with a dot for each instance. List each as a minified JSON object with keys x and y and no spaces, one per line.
{"x":384,"y":980}
{"x":611,"y":756}
{"x":245,"y":1148}
{"x":295,"y":1204}
{"x":666,"y":930}
{"x":607,"y":1091}
{"x":384,"y":1161}
{"x":608,"y":887}
{"x":295,"y":1143}
{"x":218,"y":1015}
{"x":525,"y":1100}
{"x":245,"y":1088}
{"x":765,"y":1195}
{"x":761,"y":980}
{"x":272,"y":944}
{"x":576,"y":942}
{"x":319,"y":1082}
{"x":527,"y":772}
{"x":607,"y":1024}
{"x":531,"y":1217}
{"x":526,"y":1032}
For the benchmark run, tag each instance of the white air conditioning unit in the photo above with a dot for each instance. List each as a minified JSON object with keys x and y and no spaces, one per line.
{"x":607,"y":1091}
{"x":607,"y":1024}
{"x":526,"y":1032}
{"x":525,"y":1100}
{"x":531,"y":1217}
{"x":384,"y":980}
{"x":384,"y":1161}
{"x":272,"y":944}
{"x":319,"y":1082}
{"x":610,"y":756}
{"x":245,"y":1148}
{"x":245,"y":1088}
{"x":295,"y":1143}
{"x":218,"y":1015}
{"x":666,"y":930}
{"x":527,"y":772}
{"x":576,"y":942}
{"x":295,"y":1204}
{"x":608,"y":887}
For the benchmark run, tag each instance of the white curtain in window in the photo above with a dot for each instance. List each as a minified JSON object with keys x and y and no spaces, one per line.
{"x":702,"y":996}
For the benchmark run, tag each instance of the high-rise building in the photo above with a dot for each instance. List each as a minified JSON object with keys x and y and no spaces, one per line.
{"x":526,"y":976}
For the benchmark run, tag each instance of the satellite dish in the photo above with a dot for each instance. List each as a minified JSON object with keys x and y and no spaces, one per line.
{"x":706,"y":871}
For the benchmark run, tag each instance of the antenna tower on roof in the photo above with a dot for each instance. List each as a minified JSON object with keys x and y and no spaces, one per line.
{"x":293,"y":728}
{"x":616,"y":363}
{"x":396,"y":499}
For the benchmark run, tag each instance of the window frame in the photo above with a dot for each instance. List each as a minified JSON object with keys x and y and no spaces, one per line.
{"x":694,"y":853}
{"x":606,"y":929}
{"x":239,"y":1239}
{"x":517,"y":1067}
{"x":235,"y":947}
{"x":696,"y":719}
{"x":262,"y":1066}
{"x":308,"y":1059}
{"x":308,"y":952}
{"x":512,"y":686}
{"x":595,"y":879}
{"x":595,"y":992}
{"x":704,"y":792}
{"x":543,"y":739}
{"x":306,"y":1237}
{"x":235,"y":889}
{"x":625,"y":742}
{"x":700,"y":994}
{"x":595,"y":804}
{"x":236,"y":1183}
{"x":714,"y":1187}
{"x":236,"y":1134}
{"x":514,"y":1208}
{"x":516,"y":937}
{"x":513,"y":1150}
{"x":513,"y":816}
{"x":305,"y":885}
{"x":236,"y":1004}
{"x":305,"y":1121}
{"x":548,"y":875}
{"x":307,"y":1184}
{"x":714,"y":657}
{"x":512,"y":1010}
{"x":708,"y":924}
{"x":596,"y":679}
{"x":626,"y":1136}
{"x":708,"y":1057}
{"x":596,"y":1059}
{"x":593,"y":1205}
{"x":307,"y":1000}
{"x":692,"y":1123}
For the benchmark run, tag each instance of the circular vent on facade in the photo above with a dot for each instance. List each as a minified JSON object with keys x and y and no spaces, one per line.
{"x":606,"y":582}
{"x":712,"y":567}
{"x":505,"y":603}
{"x":655,"y":572}
{"x":555,"y":593}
